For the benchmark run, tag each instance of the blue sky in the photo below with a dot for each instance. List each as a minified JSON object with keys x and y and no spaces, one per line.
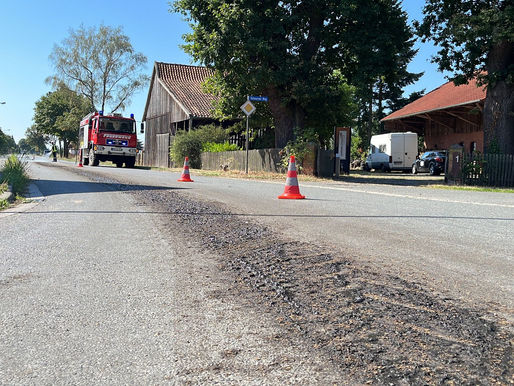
{"x":30,"y":28}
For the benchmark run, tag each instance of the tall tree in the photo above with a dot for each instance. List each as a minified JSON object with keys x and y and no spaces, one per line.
{"x":476,"y":40}
{"x":381,"y":42}
{"x":7,"y":143}
{"x":35,"y":139}
{"x":290,"y":51}
{"x":100,"y":64}
{"x":58,"y":114}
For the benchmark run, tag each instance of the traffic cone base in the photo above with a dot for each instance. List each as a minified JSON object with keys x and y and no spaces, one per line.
{"x":185,"y":177}
{"x":291,"y":196}
{"x":292,"y":190}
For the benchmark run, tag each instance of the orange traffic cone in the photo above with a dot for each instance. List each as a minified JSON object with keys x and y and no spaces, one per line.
{"x":80,"y":159}
{"x":292,"y":191}
{"x":185,"y":173}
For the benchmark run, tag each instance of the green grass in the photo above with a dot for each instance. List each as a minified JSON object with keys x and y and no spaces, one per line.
{"x":14,"y":173}
{"x":473,"y":188}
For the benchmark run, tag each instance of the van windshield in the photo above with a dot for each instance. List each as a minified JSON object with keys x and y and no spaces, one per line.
{"x":116,"y":125}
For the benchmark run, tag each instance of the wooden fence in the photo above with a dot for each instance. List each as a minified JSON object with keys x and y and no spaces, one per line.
{"x":488,"y":170}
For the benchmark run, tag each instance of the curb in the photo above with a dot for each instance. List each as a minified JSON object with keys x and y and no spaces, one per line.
{"x":7,"y":195}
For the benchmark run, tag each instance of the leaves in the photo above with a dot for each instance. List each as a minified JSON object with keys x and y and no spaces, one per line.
{"x":101,"y":65}
{"x":302,"y":55}
{"x":466,"y":33}
{"x":58,"y":113}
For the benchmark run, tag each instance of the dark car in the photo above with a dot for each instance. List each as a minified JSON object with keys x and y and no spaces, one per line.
{"x":431,"y":162}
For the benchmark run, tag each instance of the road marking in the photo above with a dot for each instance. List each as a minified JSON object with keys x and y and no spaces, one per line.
{"x":353,"y":190}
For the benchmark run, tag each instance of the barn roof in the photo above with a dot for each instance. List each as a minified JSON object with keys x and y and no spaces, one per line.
{"x":184,"y":84}
{"x":446,"y":96}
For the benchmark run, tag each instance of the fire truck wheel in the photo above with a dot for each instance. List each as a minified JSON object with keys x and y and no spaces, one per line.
{"x":93,"y":161}
{"x":119,"y":164}
{"x":130,"y":163}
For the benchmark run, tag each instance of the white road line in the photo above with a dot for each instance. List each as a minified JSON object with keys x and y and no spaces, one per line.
{"x":400,"y":195}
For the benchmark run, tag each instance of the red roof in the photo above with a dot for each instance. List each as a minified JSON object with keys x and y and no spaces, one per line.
{"x":443,"y":97}
{"x":185,"y":83}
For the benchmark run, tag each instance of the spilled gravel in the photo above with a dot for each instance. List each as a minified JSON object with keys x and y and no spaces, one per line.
{"x":374,"y":327}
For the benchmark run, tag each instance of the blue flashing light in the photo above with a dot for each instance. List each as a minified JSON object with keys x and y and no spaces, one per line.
{"x":132,"y":116}
{"x":101,"y":112}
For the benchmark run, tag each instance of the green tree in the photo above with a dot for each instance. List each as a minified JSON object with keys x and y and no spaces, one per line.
{"x":101,"y":65}
{"x":58,"y":114}
{"x":24,"y":146}
{"x":35,"y":139}
{"x":298,"y":54}
{"x":381,"y":43}
{"x":7,"y":143}
{"x":476,"y":40}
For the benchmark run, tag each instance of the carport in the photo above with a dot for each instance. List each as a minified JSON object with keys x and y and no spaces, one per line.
{"x":446,"y":116}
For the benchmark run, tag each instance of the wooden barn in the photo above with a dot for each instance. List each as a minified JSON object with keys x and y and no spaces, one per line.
{"x":445,"y":116}
{"x":175,"y":102}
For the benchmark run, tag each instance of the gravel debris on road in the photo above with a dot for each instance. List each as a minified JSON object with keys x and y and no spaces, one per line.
{"x":375,"y":328}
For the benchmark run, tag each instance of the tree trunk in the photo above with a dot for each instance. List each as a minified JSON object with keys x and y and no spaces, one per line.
{"x":286,"y":118}
{"x":66,"y":148}
{"x":498,"y":119}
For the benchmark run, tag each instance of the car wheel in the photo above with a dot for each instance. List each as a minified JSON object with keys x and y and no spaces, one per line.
{"x":383,"y":168}
{"x":414,"y":169}
{"x":432,"y":169}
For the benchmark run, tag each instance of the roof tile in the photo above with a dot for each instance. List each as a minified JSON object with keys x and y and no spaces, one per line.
{"x":185,"y":82}
{"x":447,"y":95}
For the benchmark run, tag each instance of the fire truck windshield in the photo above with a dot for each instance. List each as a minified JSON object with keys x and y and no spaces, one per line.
{"x":116,"y":125}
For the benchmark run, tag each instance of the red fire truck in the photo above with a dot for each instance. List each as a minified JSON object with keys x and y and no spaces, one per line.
{"x":108,"y":138}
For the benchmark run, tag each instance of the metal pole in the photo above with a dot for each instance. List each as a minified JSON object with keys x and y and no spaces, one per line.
{"x":247,"y":142}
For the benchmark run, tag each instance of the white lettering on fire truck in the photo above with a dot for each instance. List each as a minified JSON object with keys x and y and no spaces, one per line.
{"x":115,"y":136}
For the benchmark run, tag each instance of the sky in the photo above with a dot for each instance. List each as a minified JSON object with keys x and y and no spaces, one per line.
{"x":29,"y":29}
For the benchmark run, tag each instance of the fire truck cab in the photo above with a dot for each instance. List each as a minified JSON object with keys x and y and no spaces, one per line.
{"x":108,"y":138}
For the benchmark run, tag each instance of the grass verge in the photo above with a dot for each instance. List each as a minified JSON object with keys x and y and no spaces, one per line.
{"x":14,"y":173}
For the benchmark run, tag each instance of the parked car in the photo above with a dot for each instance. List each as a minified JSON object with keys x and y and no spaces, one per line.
{"x":432,"y":161}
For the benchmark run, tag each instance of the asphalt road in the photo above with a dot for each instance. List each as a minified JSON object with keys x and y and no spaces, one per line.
{"x":460,"y":243}
{"x":93,"y":289}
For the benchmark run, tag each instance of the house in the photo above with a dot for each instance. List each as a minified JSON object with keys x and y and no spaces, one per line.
{"x":445,"y":116}
{"x":176,"y":101}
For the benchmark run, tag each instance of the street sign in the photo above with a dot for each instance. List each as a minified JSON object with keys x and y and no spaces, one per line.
{"x":248,"y":108}
{"x":258,"y":98}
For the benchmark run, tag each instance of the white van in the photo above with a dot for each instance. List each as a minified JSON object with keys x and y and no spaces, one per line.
{"x":392,"y":151}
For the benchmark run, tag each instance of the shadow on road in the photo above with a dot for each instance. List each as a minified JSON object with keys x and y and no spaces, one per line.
{"x":56,"y":187}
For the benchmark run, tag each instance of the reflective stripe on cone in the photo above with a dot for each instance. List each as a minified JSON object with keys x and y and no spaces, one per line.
{"x":185,"y":173}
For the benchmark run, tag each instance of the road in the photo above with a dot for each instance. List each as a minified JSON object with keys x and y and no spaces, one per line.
{"x":94,"y":284}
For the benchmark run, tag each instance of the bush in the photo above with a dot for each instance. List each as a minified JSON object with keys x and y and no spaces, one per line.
{"x":190,"y":144}
{"x":300,"y":147}
{"x":187,"y":145}
{"x":14,"y":173}
{"x":211,"y":147}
